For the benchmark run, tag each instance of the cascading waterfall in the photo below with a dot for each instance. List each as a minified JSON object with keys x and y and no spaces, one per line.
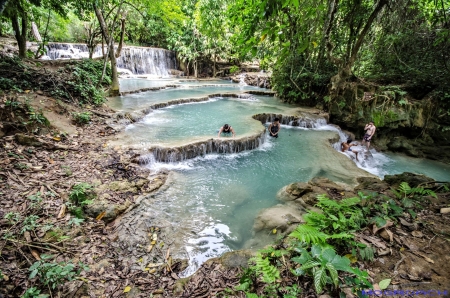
{"x":132,"y":60}
{"x":223,"y":146}
{"x":147,"y":61}
{"x":189,"y":151}
{"x":306,"y":121}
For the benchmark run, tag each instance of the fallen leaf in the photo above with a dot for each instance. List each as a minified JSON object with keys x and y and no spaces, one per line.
{"x":274,"y":231}
{"x":417,"y":234}
{"x":58,"y":139}
{"x":35,"y":255}
{"x":149,"y":249}
{"x":62,"y":211}
{"x":127,"y":289}
{"x":50,"y":160}
{"x":101,"y":215}
{"x":153,"y":242}
{"x":384,"y":284}
{"x":352,"y":258}
{"x":27,"y":236}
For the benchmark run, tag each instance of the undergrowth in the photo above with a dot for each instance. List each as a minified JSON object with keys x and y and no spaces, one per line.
{"x":325,"y":249}
{"x":76,"y":82}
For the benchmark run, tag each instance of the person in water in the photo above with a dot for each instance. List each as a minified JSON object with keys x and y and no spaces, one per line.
{"x":274,"y":128}
{"x":227,"y":130}
{"x":370,"y":131}
{"x":347,"y":146}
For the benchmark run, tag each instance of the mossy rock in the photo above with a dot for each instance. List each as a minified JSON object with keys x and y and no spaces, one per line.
{"x":412,"y":179}
{"x":111,"y":210}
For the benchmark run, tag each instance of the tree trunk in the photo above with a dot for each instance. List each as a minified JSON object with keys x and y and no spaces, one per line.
{"x":338,"y":81}
{"x":122,"y":34}
{"x":20,"y":34}
{"x":195,"y":68}
{"x":114,"y":90}
{"x":214,"y":66}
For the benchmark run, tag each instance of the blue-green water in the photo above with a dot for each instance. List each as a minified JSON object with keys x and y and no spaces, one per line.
{"x":212,"y":201}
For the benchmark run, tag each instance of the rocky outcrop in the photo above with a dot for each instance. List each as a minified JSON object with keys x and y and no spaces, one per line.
{"x":201,"y":148}
{"x":258,"y":79}
{"x":404,"y":124}
{"x":306,"y":120}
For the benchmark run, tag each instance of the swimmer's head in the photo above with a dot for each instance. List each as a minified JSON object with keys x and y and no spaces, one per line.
{"x":276,"y":119}
{"x":226,"y":126}
{"x":349,"y":141}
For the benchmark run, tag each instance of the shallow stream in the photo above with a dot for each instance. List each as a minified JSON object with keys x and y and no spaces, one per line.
{"x":211,"y":201}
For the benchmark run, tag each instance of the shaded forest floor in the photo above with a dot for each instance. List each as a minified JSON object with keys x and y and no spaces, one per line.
{"x":48,"y":172}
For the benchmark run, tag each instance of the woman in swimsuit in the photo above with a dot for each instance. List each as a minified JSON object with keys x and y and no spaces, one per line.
{"x":226,"y":130}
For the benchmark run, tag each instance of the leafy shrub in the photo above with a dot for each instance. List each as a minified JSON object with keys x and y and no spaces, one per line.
{"x":54,"y":274}
{"x":81,"y":195}
{"x":234,"y":69}
{"x":82,"y":118}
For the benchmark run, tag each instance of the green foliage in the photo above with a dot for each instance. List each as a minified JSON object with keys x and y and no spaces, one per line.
{"x":367,"y":253}
{"x":29,"y":223}
{"x":309,"y":234}
{"x":38,"y":118}
{"x":268,"y":272}
{"x":13,"y":217}
{"x":234,"y":69}
{"x":86,"y":75}
{"x":337,"y":217}
{"x":80,"y":195}
{"x":34,"y":292}
{"x":82,"y":118}
{"x":55,"y":274}
{"x":323,"y":264}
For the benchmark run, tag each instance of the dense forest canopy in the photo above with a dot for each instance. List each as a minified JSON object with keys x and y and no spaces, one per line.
{"x":313,"y":48}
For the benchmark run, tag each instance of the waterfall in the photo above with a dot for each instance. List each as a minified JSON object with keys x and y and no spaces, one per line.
{"x":304,"y":120}
{"x":147,"y":61}
{"x":132,"y":60}
{"x":189,"y":151}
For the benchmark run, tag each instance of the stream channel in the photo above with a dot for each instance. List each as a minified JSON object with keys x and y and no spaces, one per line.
{"x":210,"y":202}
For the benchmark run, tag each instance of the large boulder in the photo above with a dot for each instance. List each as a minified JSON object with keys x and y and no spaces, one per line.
{"x":281,"y":217}
{"x":371,"y":184}
{"x":111,"y":210}
{"x":412,"y":179}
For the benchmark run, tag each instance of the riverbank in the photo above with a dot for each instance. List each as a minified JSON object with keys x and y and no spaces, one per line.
{"x":46,"y":168}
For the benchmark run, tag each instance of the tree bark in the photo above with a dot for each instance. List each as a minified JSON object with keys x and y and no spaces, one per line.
{"x":122,"y":34}
{"x":20,"y":33}
{"x":337,"y":82}
{"x":114,"y":90}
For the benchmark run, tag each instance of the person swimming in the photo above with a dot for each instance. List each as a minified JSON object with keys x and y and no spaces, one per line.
{"x":346,"y":146}
{"x":274,"y":128}
{"x":226,"y":130}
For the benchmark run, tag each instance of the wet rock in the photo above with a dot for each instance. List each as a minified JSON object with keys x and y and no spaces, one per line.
{"x":371,"y":184}
{"x":294,"y":191}
{"x":281,"y":217}
{"x":112,"y":210}
{"x":27,"y":140}
{"x":412,"y":179}
{"x":236,"y":259}
{"x":122,"y":186}
{"x":327,"y":184}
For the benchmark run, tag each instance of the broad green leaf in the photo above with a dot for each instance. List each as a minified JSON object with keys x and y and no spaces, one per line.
{"x":328,"y":254}
{"x":333,"y":274}
{"x":320,"y":279}
{"x":384,"y":284}
{"x":310,"y":264}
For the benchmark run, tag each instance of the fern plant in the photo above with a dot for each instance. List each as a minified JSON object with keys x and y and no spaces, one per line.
{"x":310,"y":234}
{"x":323,"y":264}
{"x":268,"y":272}
{"x":337,"y":217}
